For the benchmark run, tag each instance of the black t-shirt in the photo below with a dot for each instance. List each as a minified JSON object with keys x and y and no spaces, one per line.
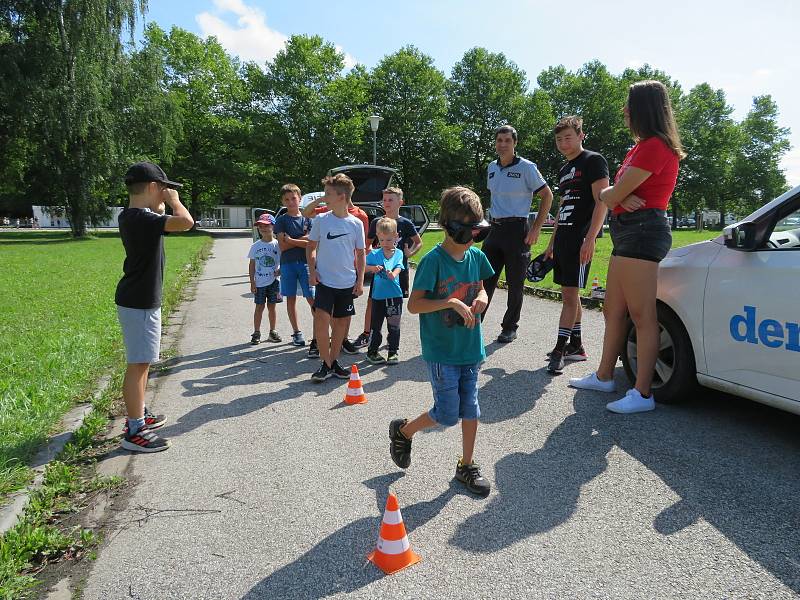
{"x":575,"y":181}
{"x":142,"y":233}
{"x":405,"y":231}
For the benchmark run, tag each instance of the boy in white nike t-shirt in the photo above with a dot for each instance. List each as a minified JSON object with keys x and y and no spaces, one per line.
{"x":335,"y":238}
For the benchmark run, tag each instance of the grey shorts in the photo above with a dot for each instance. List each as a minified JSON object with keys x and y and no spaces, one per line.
{"x":644,"y":234}
{"x":141,"y":333}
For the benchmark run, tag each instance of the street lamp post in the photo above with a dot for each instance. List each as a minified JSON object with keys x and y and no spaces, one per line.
{"x":374,"y":121}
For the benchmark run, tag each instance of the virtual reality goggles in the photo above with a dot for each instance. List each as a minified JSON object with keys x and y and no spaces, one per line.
{"x":463,"y":233}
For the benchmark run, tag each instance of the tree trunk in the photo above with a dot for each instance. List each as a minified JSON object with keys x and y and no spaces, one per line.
{"x":722,"y":210}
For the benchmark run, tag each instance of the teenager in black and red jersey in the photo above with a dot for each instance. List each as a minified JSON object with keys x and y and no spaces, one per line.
{"x":580,"y":219}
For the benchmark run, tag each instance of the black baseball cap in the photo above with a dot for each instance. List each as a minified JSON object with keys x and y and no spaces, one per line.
{"x":145,"y":172}
{"x":538,"y":268}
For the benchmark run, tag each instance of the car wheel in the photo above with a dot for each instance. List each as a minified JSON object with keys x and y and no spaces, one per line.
{"x":675,"y":376}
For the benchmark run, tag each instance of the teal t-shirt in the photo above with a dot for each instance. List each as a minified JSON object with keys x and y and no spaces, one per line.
{"x":442,"y":333}
{"x":382,"y":286}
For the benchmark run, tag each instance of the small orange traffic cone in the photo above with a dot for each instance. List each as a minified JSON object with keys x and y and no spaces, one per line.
{"x":355,"y":391}
{"x":595,"y":283}
{"x":393,"y":551}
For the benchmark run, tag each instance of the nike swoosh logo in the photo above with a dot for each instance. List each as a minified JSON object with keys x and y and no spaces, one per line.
{"x":333,"y":237}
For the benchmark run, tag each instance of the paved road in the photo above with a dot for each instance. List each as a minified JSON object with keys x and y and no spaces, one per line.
{"x":274,"y":489}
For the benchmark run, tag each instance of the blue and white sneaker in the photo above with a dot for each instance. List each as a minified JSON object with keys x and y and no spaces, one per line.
{"x":298,"y":339}
{"x":633,"y":402}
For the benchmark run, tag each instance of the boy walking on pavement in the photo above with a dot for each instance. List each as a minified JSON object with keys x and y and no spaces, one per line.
{"x":138,"y":297}
{"x":386,"y":264}
{"x":580,"y":218}
{"x":448,"y":295}
{"x":264,"y":270}
{"x":336,"y":237}
{"x":292,"y":229}
{"x":409,"y":242}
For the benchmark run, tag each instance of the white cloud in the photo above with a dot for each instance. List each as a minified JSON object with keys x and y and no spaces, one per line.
{"x":791,"y":166}
{"x":249,"y":37}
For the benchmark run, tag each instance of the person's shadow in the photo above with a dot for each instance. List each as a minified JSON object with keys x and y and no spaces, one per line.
{"x":338,"y":565}
{"x":509,"y":395}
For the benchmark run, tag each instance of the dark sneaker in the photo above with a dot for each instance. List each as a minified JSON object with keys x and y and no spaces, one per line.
{"x":470,"y":476}
{"x":151,"y":421}
{"x":339,"y":371}
{"x":255,"y":338}
{"x":144,"y":440}
{"x":274,"y":337}
{"x":313,"y":351}
{"x":361,"y":341}
{"x":400,"y":445}
{"x":298,"y":339}
{"x":506,"y":336}
{"x":393,"y":358}
{"x":322,"y":373}
{"x":556,"y":364}
{"x":574,"y":353}
{"x":375,"y":358}
{"x":348,"y":347}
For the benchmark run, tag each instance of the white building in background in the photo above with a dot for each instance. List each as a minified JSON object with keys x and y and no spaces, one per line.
{"x":230,"y":217}
{"x":56,"y":218}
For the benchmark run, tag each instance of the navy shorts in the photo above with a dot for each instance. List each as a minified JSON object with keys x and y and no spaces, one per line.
{"x":270,"y":294}
{"x":337,"y":302}
{"x":567,"y":268}
{"x":455,"y":392}
{"x":644,"y":234}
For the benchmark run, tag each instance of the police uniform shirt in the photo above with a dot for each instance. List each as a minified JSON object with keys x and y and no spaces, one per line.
{"x":512,"y":187}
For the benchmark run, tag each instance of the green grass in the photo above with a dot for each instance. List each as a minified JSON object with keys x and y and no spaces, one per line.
{"x":601,"y":256}
{"x":59,"y":331}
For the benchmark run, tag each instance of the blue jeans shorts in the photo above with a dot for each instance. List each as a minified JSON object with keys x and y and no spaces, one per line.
{"x":455,"y":393}
{"x":291,"y":273}
{"x":141,"y":333}
{"x":269,"y":294}
{"x":644,"y":234}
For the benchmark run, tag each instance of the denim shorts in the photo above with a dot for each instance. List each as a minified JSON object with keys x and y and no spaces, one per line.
{"x":291,"y":274}
{"x":141,"y":333}
{"x":644,"y":234}
{"x":269,"y":294}
{"x":455,"y":392}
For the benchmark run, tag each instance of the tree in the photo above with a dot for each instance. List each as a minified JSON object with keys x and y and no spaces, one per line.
{"x":409,"y":92}
{"x":710,"y":138}
{"x":485,"y":91}
{"x":756,"y":171}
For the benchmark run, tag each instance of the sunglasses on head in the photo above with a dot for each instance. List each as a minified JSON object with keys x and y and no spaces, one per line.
{"x":463,"y":233}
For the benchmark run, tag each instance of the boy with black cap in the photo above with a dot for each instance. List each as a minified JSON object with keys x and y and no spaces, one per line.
{"x":580,"y":219}
{"x":138,"y":296}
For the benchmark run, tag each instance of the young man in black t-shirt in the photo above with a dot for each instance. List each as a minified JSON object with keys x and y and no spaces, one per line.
{"x":580,"y":219}
{"x":138,"y":298}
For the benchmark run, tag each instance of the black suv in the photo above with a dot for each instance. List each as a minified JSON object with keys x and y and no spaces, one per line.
{"x":369,"y":181}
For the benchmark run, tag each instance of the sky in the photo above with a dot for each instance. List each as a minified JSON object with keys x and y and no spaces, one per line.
{"x":745,"y":48}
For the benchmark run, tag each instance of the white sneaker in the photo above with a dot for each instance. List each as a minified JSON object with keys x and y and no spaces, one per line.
{"x":633,"y":402}
{"x":591,"y":382}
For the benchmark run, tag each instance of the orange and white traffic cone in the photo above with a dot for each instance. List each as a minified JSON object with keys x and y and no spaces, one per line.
{"x":393,"y":551}
{"x":595,"y":283}
{"x":355,"y":391}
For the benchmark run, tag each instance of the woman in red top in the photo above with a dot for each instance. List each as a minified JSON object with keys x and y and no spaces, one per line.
{"x":641,"y":236}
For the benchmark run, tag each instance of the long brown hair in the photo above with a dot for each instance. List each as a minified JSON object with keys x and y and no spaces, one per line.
{"x":650,"y":114}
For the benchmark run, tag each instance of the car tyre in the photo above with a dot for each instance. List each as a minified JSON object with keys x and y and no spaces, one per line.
{"x":675,"y":379}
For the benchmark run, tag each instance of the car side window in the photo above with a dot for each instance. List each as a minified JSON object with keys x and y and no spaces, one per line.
{"x":786,"y":233}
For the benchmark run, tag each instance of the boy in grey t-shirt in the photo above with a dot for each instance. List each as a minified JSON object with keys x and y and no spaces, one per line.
{"x":336,"y":263}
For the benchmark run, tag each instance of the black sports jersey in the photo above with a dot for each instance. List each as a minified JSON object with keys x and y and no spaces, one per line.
{"x":575,"y":181}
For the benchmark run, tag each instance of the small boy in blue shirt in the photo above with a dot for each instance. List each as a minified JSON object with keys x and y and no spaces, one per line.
{"x":448,"y":295}
{"x":386,"y":264}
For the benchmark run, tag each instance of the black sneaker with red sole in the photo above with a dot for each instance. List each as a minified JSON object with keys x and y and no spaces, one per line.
{"x":144,"y":440}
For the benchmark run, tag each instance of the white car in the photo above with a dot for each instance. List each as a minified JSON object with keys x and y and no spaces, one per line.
{"x":729,"y":312}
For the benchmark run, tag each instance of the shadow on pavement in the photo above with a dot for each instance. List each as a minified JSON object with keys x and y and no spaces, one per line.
{"x":338,"y":563}
{"x":509,"y":395}
{"x":732,"y":462}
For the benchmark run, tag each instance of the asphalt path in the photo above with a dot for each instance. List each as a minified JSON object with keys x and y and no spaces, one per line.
{"x":273,"y":488}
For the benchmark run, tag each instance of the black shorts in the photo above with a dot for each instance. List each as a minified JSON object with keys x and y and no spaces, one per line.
{"x":567,"y":268}
{"x":337,"y":302}
{"x":644,"y":234}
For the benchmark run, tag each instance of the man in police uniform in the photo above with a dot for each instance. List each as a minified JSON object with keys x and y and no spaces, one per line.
{"x":512,"y":182}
